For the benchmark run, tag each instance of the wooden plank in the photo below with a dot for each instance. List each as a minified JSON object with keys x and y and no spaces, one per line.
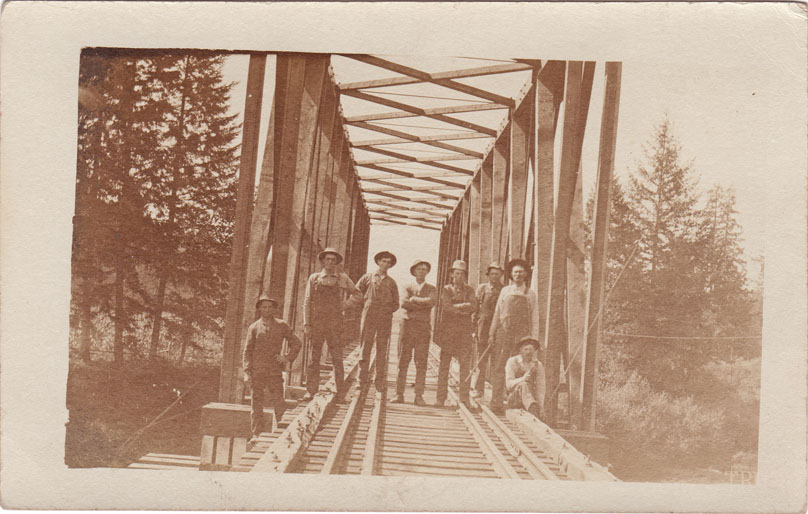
{"x":427,"y":77}
{"x":239,"y":449}
{"x":452,"y":457}
{"x":339,"y":440}
{"x":229,"y":376}
{"x":409,"y":464}
{"x":469,"y":72}
{"x":549,"y":92}
{"x":404,"y":187}
{"x":499,"y":213}
{"x":168,"y":461}
{"x":465,"y":224}
{"x":343,"y":199}
{"x":608,"y":137}
{"x":428,"y":178}
{"x":372,"y":441}
{"x":519,"y":153}
{"x":579,"y":86}
{"x":576,"y":303}
{"x":454,"y":109}
{"x":421,"y":112}
{"x":501,"y":465}
{"x":398,"y":186}
{"x":406,"y":199}
{"x":330,"y":125}
{"x":222,"y":457}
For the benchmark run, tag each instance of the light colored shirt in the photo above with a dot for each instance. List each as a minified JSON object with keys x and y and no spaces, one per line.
{"x":419,"y":300}
{"x":501,"y":313}
{"x":337,"y":278}
{"x":515,"y":371}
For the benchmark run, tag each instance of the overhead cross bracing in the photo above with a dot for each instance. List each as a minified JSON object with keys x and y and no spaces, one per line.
{"x":421,"y":127}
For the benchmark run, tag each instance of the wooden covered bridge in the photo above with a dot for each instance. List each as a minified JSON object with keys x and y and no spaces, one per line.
{"x":486,"y":152}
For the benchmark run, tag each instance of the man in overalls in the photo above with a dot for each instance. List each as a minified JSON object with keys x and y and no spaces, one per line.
{"x":264,"y":361}
{"x":487,"y":296}
{"x":515,"y":316}
{"x":458,"y":304}
{"x":416,"y":331}
{"x":381,"y":301}
{"x":326,"y":291}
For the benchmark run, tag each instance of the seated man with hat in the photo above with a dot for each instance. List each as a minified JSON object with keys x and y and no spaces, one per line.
{"x":326,"y":292}
{"x":524,"y":377}
{"x":264,"y":361}
{"x":458,"y":304}
{"x":416,"y":331}
{"x":381,"y":301}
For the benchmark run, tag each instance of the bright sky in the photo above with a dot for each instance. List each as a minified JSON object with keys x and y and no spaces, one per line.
{"x":730,"y":117}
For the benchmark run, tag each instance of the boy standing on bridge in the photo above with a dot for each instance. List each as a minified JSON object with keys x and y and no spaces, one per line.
{"x":323,"y":304}
{"x":264,"y":361}
{"x":416,"y":331}
{"x":524,"y":378}
{"x":487,"y":296}
{"x":515,"y":316}
{"x":458,"y":304}
{"x":381,"y":301}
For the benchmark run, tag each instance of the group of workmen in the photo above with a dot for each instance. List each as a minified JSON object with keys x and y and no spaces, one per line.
{"x":502,"y":320}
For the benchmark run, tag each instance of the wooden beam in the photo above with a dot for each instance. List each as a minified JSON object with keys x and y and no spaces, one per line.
{"x":405,"y":199}
{"x":608,"y":138}
{"x":435,"y":141}
{"x":392,"y":205}
{"x":408,"y":188}
{"x":411,"y":225}
{"x":579,"y":84}
{"x":407,"y":174}
{"x":231,"y":357}
{"x":519,"y":153}
{"x":549,"y":93}
{"x":416,"y":158}
{"x":427,"y":174}
{"x":410,"y":158}
{"x":387,"y":214}
{"x":421,"y":112}
{"x":427,"y":77}
{"x":411,"y":188}
{"x":421,"y":139}
{"x":454,"y":109}
{"x":455,"y":74}
{"x":436,"y":218}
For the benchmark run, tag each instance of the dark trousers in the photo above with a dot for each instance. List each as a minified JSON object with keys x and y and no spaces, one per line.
{"x":375,"y":329}
{"x":319,"y":336}
{"x":483,"y":326}
{"x":457,"y":344}
{"x":505,"y":347}
{"x":259,"y":382}
{"x":413,"y":339}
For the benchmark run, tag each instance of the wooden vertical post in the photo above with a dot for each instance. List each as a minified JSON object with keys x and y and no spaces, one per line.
{"x":519,"y":155}
{"x":499,"y":211}
{"x":577,"y":103}
{"x":486,"y":190}
{"x":576,"y":302}
{"x":608,"y":137}
{"x":229,"y":375}
{"x":549,"y":92}
{"x":465,"y":226}
{"x":475,"y":266}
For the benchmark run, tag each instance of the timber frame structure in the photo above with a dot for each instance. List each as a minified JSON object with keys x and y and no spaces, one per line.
{"x":494,"y":192}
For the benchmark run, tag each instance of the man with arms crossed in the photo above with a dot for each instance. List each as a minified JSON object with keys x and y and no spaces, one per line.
{"x":416,"y":331}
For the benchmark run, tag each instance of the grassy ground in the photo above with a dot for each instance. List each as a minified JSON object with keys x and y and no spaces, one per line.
{"x":110,"y":409}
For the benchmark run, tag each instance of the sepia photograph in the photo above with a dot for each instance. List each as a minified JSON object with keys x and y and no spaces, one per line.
{"x":523,"y":266}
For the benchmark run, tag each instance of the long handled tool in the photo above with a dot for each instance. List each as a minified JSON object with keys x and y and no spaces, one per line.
{"x":480,"y":360}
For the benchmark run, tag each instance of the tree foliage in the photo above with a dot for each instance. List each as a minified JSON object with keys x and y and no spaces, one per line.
{"x":155,"y":194}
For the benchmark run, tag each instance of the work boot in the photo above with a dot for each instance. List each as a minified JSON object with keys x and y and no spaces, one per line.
{"x":476,"y":394}
{"x":440,"y":403}
{"x":471,"y":407}
{"x":419,"y":401}
{"x":498,"y":409}
{"x":309,"y":395}
{"x":399,"y":399}
{"x":534,"y":409}
{"x":252,"y":442}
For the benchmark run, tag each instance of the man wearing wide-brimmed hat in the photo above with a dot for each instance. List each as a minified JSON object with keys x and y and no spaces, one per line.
{"x":487,"y":296}
{"x":516,"y":315}
{"x":458,"y":304}
{"x":264,"y":360}
{"x":326,"y":292}
{"x":381,"y":301}
{"x":416,"y":330}
{"x":524,"y":378}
